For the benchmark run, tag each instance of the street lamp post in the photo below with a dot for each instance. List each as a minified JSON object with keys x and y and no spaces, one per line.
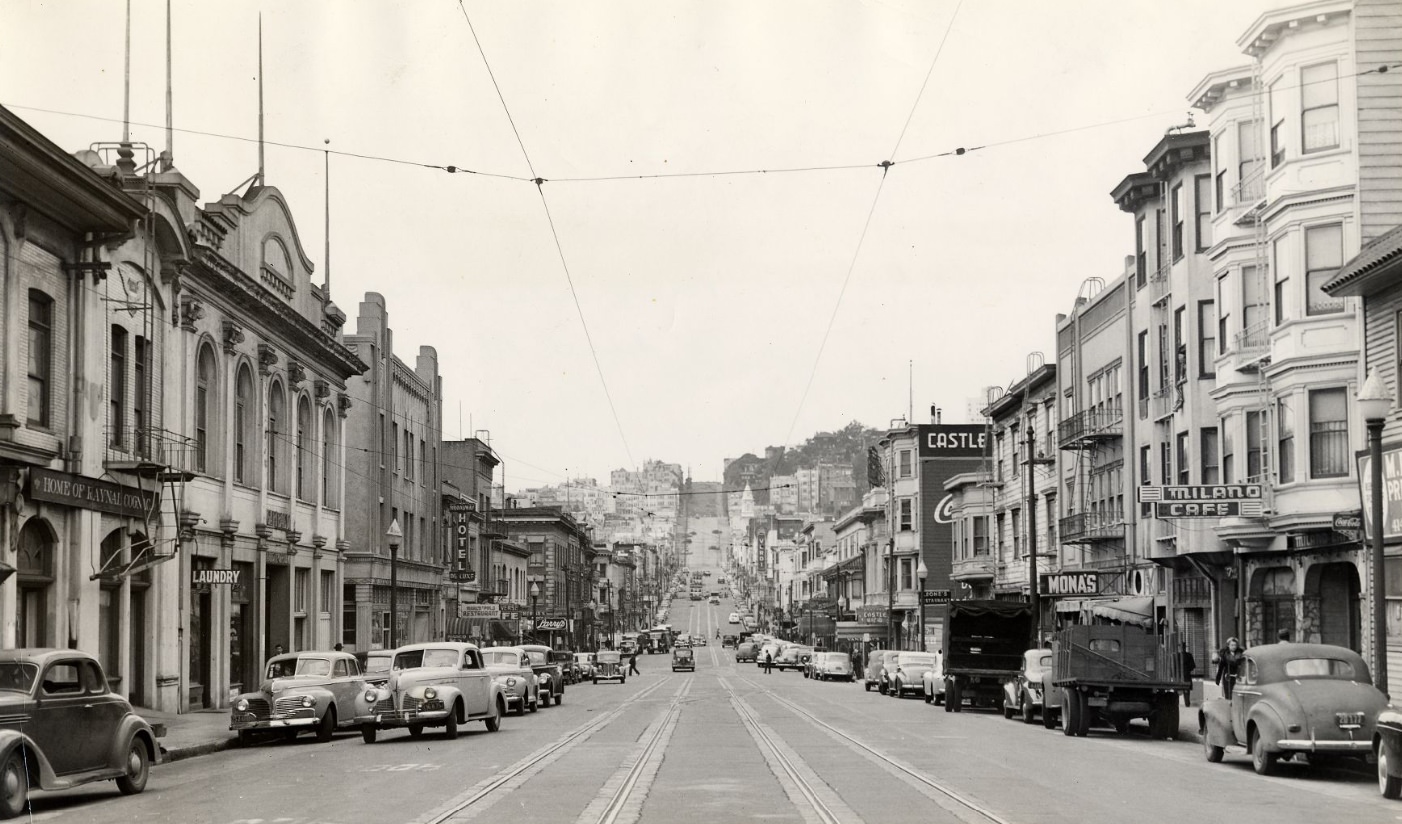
{"x":1374,"y":404}
{"x":394,"y":534}
{"x":922,"y":572}
{"x":535,"y":626}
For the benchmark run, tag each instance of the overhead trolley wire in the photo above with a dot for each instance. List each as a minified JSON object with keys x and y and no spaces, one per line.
{"x":559,"y":248}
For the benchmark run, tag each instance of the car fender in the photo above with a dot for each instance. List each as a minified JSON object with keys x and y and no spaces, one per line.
{"x":324,"y":698}
{"x":1268,"y":723}
{"x":1011,"y":694}
{"x":447,"y":693}
{"x":1215,"y":722}
{"x":1051,"y":694}
{"x":11,"y":740}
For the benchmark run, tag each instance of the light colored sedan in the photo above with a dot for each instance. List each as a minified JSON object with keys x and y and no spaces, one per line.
{"x":908,"y":675}
{"x":512,"y":669}
{"x":301,"y":692}
{"x":832,"y":666}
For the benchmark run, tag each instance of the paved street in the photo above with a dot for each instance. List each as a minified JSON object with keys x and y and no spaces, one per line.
{"x":728,"y":743}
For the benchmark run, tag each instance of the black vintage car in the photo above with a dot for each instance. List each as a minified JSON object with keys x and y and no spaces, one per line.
{"x":548,"y":671}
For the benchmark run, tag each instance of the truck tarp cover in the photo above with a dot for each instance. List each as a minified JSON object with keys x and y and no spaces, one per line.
{"x":1005,"y":609}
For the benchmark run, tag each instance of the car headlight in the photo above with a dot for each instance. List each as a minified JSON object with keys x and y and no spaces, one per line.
{"x":430,"y":693}
{"x":545,"y":677}
{"x":308,"y":701}
{"x":371,"y":695}
{"x":241,"y":705}
{"x":511,"y":682}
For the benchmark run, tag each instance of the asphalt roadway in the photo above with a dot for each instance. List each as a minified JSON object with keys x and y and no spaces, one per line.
{"x":728,"y":743}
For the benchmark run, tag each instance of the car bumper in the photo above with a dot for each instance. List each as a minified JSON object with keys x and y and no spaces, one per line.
{"x":308,"y":720}
{"x":1307,"y":745}
{"x":403,"y":718}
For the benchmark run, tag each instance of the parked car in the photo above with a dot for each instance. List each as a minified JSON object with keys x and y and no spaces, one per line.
{"x":1388,"y":749}
{"x":1316,"y":699}
{"x":1023,"y":694}
{"x":547,"y":672}
{"x":793,"y":657}
{"x":832,"y":666}
{"x":878,"y":661}
{"x":583,"y":666}
{"x":932,"y":684}
{"x":375,"y":664}
{"x":437,"y":684}
{"x":519,"y":685}
{"x":908,"y":675}
{"x":47,"y":696}
{"x":746,"y":651}
{"x":770,"y":648}
{"x":301,"y":692}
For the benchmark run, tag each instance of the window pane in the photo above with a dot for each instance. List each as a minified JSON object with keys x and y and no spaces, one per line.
{"x":1328,"y":433}
{"x":1323,"y":256}
{"x":1319,"y":85}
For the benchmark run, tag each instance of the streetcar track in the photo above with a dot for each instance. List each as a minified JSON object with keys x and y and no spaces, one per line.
{"x":485,"y":793}
{"x":791,"y":766}
{"x":919,"y":781}
{"x":645,"y":762}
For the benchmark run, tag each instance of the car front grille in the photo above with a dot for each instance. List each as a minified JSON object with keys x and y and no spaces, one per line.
{"x":258,"y":709}
{"x":291,"y":707}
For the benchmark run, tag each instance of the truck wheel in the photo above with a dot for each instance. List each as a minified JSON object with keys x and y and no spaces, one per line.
{"x":1168,"y":715}
{"x":1071,"y":712}
{"x":1029,"y":710}
{"x":545,"y":698}
{"x":1262,"y":762}
{"x":954,"y":695}
{"x":1048,"y":717}
{"x":1212,"y":751}
{"x":1085,"y":715}
{"x":1389,"y":785}
{"x":367,"y":733}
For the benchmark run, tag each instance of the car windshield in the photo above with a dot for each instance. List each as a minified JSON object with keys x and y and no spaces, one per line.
{"x":583,"y":657}
{"x":415,"y":658}
{"x":1319,"y":668}
{"x":17,"y":677}
{"x":536,"y":656}
{"x":916,"y":661}
{"x":288,"y":667}
{"x":682,"y":653}
{"x":313,"y":666}
{"x":377,"y":663}
{"x":499,"y":659}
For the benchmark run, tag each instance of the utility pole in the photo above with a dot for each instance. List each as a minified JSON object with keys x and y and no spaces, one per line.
{"x":1033,"y":585}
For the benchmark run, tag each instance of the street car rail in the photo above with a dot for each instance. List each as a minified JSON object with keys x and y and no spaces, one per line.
{"x":909,"y":775}
{"x":498,"y":784}
{"x":646,"y":760}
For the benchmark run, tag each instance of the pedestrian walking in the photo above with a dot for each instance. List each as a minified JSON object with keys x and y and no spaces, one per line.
{"x":633,"y":664}
{"x":1228,"y":665}
{"x":1187,"y":664}
{"x":768,"y":661}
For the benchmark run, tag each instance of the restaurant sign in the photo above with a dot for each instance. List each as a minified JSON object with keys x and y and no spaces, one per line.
{"x":91,"y":493}
{"x":1071,"y":583}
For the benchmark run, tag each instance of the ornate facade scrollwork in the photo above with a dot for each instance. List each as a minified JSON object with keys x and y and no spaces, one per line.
{"x":191,"y":310}
{"x":322,"y":389}
{"x":267,"y":358}
{"x":343,"y":404}
{"x":296,"y":372}
{"x":232,"y":336}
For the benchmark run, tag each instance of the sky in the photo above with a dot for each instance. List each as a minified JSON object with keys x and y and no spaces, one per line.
{"x":721,"y":313}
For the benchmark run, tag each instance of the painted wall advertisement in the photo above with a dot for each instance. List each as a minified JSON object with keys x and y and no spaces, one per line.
{"x":1392,"y":493}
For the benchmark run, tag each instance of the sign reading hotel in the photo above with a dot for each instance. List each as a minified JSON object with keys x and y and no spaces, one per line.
{"x":91,"y":493}
{"x":1210,"y":501}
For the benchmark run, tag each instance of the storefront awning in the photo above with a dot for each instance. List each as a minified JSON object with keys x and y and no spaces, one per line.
{"x":854,"y":630}
{"x":1138,"y":610}
{"x":475,"y":630}
{"x":1181,"y":562}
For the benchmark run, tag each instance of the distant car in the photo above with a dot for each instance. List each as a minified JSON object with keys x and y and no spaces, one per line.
{"x":729,"y":641}
{"x":301,"y":692}
{"x":831,"y":666}
{"x":908,"y":675}
{"x":64,"y":727}
{"x":683,"y":658}
{"x":746,"y":651}
{"x":1023,"y":694}
{"x":877,"y":664}
{"x":1315,"y":699}
{"x":519,"y":685}
{"x":547,"y":672}
{"x":584,"y":665}
{"x":700,"y":641}
{"x":683,"y":640}
{"x":734,"y":617}
{"x":792,"y":657}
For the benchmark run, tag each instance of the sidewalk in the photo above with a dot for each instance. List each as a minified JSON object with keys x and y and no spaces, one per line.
{"x":191,"y":733}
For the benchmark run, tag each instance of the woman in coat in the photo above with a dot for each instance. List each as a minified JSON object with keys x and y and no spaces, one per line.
{"x":1229,"y":665}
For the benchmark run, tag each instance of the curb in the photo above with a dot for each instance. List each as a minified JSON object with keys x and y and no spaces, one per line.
{"x":193,"y":750}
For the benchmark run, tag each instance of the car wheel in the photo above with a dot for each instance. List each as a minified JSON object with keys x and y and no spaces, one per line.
{"x":416,"y":730}
{"x":1389,"y":785}
{"x":1212,"y":751}
{"x":867,"y":685}
{"x":1262,"y":762}
{"x":545,"y":699}
{"x":494,"y":720}
{"x":1048,"y":718}
{"x":14,"y":786}
{"x":450,"y":730}
{"x":327,"y":727}
{"x":560,"y":699}
{"x":1029,"y":710}
{"x":368,"y":733}
{"x":1007,"y":711}
{"x":137,"y":768}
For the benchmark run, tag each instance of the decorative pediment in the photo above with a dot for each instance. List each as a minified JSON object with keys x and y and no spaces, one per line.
{"x":232,"y":336}
{"x":267,"y":358}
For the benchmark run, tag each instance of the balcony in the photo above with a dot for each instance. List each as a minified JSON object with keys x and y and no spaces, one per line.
{"x":1160,"y":284}
{"x":1091,"y":527}
{"x":1253,"y":347}
{"x":1092,"y":426}
{"x":145,"y":450}
{"x":976,"y":569}
{"x":1166,"y":401}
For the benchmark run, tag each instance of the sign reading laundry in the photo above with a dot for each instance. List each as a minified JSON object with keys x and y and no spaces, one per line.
{"x":215,"y":576}
{"x":91,"y":493}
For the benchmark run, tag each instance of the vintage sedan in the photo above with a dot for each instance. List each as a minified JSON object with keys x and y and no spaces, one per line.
{"x":519,"y":686}
{"x":1312,"y":699}
{"x":547,"y":672}
{"x":1387,"y":745}
{"x":60,"y":726}
{"x":375,"y":665}
{"x":583,"y":666}
{"x":879,"y":662}
{"x":437,"y":684}
{"x":832,"y":666}
{"x":301,"y":692}
{"x":683,"y":658}
{"x":932,"y":685}
{"x":1023,"y":694}
{"x":793,"y":657}
{"x":908,"y":677}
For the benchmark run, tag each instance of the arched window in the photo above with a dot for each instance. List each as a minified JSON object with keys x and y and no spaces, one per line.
{"x":35,"y":570}
{"x":277,"y":437}
{"x":206,"y":399}
{"x":328,"y":458}
{"x":275,"y":258}
{"x":305,"y":454}
{"x":245,"y":411}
